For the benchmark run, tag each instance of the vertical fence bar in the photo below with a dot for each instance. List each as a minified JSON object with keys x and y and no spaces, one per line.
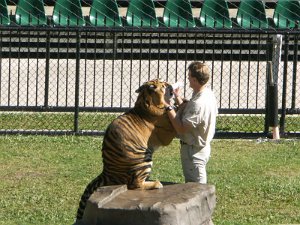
{"x":177,"y":52}
{"x":19,"y":68}
{"x":168,"y":54}
{"x":47,"y":68}
{"x":131,"y":67}
{"x":1,"y":66}
{"x":94,"y":69}
{"x":140,"y":60}
{"x":257,"y":69}
{"x":150,"y":55}
{"x":28,"y":71}
{"x":295,"y":61}
{"x":186,"y":56}
{"x":103,"y":67}
{"x":213,"y":61}
{"x":230,"y":69}
{"x":37,"y":73}
{"x":284,"y":85}
{"x":67,"y":65}
{"x":240,"y":70}
{"x":77,"y":80}
{"x":9,"y":67}
{"x":222,"y":69}
{"x":122,"y":69}
{"x":85,"y":70}
{"x":249,"y":70}
{"x":113,"y":70}
{"x":58,"y":67}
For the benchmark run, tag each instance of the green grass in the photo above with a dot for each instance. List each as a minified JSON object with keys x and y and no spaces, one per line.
{"x":54,"y":121}
{"x":99,"y":121}
{"x":43,"y":177}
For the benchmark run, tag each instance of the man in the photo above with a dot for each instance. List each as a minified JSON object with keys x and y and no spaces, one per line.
{"x":195,"y":123}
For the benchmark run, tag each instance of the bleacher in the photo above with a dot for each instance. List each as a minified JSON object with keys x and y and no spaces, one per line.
{"x":250,"y":14}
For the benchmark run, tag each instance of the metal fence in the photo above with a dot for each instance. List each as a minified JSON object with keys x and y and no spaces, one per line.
{"x":57,"y":80}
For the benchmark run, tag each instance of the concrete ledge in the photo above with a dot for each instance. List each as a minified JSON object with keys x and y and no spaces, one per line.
{"x":176,"y":204}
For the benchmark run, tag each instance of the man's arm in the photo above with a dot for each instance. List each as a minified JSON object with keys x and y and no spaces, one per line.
{"x":178,"y":124}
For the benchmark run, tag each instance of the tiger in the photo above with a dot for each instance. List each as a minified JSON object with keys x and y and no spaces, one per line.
{"x":130,"y":140}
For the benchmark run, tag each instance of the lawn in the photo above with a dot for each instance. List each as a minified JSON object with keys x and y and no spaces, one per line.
{"x":42,"y":178}
{"x":99,"y":121}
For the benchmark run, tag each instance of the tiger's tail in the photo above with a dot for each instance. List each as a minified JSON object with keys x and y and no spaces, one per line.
{"x":89,"y":190}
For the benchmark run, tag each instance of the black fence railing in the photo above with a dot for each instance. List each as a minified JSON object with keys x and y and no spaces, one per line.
{"x":58,"y":80}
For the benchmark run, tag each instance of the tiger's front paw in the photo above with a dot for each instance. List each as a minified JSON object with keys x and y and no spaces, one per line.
{"x":148,"y":185}
{"x":158,"y":185}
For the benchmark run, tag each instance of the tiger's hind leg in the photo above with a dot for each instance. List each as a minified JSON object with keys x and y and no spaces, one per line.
{"x":138,"y":176}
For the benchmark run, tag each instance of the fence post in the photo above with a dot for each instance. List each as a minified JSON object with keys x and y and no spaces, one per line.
{"x":272,"y":102}
{"x":77,"y":80}
{"x":272,"y":91}
{"x":284,"y":85}
{"x":276,"y":55}
{"x":273,"y":63}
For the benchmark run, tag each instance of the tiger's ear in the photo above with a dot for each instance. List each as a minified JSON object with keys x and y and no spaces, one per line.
{"x":139,"y":89}
{"x":150,"y":87}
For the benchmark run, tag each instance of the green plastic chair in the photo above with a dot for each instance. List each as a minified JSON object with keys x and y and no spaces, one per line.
{"x":141,"y":13}
{"x":215,"y":14}
{"x":4,"y":17}
{"x":105,"y":13}
{"x":68,"y":13}
{"x":286,"y":13}
{"x":252,"y":14}
{"x":178,"y":13}
{"x":30,"y":12}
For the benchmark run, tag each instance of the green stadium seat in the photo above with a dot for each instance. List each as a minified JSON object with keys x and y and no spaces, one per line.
{"x":68,"y":13}
{"x":252,"y":14}
{"x":104,"y":13}
{"x":30,"y":12}
{"x":178,"y":13}
{"x":141,"y":13}
{"x":286,"y":13}
{"x":215,"y":14}
{"x":4,"y":17}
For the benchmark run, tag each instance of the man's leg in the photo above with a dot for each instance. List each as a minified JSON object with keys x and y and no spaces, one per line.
{"x":200,"y":159}
{"x":194,"y":162}
{"x":187,"y":163}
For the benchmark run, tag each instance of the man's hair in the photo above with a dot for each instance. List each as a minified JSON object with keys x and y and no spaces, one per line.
{"x":200,"y":71}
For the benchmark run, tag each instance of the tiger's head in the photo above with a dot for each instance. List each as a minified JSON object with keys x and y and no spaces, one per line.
{"x":150,"y":101}
{"x":151,"y":96}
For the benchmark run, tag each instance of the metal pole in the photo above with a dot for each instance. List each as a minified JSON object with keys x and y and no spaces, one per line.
{"x":284,"y":86}
{"x":273,"y":87}
{"x":276,"y":55}
{"x":77,"y":80}
{"x":272,"y":103}
{"x":47,"y":68}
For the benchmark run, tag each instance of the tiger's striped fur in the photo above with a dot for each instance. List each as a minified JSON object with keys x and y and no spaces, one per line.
{"x":130,"y":140}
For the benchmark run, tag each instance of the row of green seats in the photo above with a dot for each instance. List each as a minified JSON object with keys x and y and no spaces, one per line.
{"x":32,"y":12}
{"x":141,"y":13}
